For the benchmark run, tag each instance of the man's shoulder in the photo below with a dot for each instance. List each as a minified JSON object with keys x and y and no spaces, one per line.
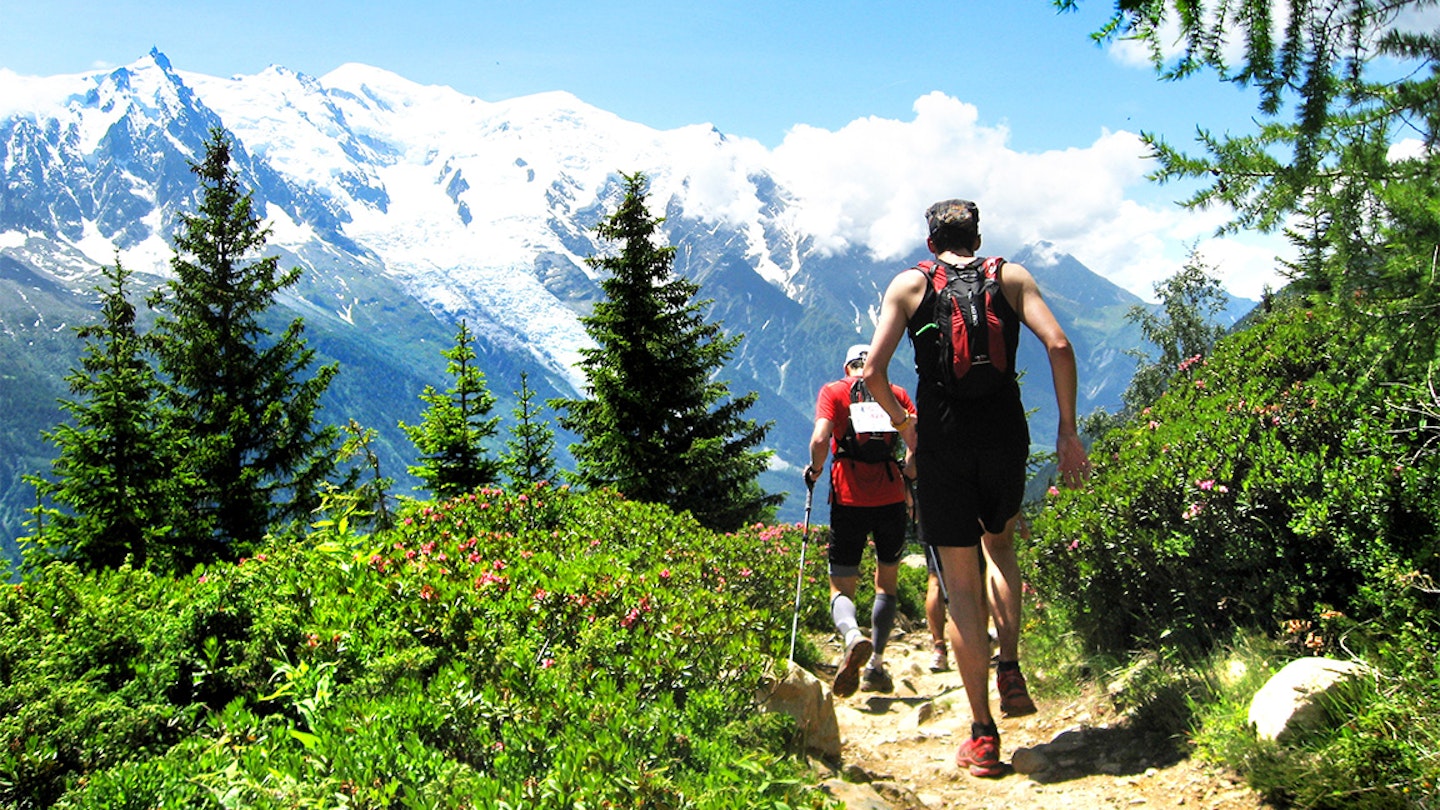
{"x":835,"y":391}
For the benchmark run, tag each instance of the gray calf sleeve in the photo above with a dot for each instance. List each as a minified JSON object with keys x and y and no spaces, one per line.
{"x":882,"y":621}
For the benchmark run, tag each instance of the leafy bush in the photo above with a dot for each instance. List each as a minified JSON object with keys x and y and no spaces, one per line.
{"x":540,"y":649}
{"x":1271,"y":484}
{"x":1280,"y":494}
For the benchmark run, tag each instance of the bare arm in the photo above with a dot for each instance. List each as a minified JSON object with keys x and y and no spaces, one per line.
{"x":1024,"y":295}
{"x":901,"y":298}
{"x":820,"y":445}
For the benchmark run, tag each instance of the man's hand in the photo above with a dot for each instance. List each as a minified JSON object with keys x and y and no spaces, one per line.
{"x":811,"y":475}
{"x":1074,"y":465}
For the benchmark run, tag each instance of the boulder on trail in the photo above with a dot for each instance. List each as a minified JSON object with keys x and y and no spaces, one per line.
{"x":805,"y":698}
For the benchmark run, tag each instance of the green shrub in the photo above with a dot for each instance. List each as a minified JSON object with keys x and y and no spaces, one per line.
{"x":540,"y":649}
{"x":1278,"y":493}
{"x":1270,"y":484}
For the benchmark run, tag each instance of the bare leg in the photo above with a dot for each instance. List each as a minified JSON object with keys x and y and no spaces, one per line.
{"x":935,"y":610}
{"x":965,"y":585}
{"x":1002,"y":570}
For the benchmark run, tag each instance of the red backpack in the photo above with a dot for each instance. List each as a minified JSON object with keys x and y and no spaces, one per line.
{"x":973,"y":359}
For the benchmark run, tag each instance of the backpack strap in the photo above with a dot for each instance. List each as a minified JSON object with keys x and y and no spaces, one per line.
{"x":994,"y":327}
{"x":847,"y":447}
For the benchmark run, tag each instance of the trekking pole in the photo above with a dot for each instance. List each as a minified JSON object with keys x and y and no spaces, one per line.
{"x":800,"y":578}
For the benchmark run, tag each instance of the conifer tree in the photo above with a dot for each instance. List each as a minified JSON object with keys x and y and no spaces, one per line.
{"x":530,"y":451}
{"x":656,"y":424}
{"x":368,"y":489}
{"x":1327,"y":175}
{"x":1183,"y":328}
{"x":245,"y":400}
{"x":453,"y":430}
{"x":114,"y":478}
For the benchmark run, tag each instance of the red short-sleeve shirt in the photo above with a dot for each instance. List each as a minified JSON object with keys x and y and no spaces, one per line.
{"x":855,"y":483}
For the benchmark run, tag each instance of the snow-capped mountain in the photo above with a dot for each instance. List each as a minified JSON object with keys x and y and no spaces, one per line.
{"x":411,"y":207}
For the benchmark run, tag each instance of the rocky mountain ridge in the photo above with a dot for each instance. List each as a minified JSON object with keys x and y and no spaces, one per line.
{"x":410,"y":208}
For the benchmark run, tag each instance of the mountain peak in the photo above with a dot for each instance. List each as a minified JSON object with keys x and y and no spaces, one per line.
{"x":1061,"y":274}
{"x":160,"y":59}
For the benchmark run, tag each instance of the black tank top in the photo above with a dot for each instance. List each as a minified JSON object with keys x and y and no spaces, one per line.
{"x":927,"y":342}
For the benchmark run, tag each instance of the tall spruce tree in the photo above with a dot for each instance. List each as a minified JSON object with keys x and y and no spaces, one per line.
{"x":245,"y":400}
{"x":530,"y":451}
{"x":115,"y":478}
{"x":452,"y":432}
{"x":656,"y":424}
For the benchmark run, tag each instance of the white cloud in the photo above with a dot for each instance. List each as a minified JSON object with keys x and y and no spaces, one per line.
{"x":867,"y":184}
{"x":1406,"y":148}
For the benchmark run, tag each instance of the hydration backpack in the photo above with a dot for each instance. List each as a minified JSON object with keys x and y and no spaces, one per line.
{"x":867,"y":448}
{"x":973,"y":359}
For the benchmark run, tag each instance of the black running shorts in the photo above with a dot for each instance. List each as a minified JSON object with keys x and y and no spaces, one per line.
{"x":970,"y":464}
{"x":852,"y":526}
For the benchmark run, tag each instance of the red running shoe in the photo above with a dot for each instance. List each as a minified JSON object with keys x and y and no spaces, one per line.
{"x":1014,"y":697}
{"x":981,"y":755}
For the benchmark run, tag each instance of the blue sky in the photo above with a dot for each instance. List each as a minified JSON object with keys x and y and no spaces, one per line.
{"x":1039,"y":95}
{"x":750,"y":68}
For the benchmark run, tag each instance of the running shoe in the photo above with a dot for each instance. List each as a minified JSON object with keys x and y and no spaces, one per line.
{"x":1014,"y":697}
{"x":980,"y":755}
{"x":876,"y":679}
{"x":847,"y":677}
{"x":940,"y":662}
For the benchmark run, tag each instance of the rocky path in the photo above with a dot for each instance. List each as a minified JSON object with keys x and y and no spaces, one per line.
{"x":899,"y":748}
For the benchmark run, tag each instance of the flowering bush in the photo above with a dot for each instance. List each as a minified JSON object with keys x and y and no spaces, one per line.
{"x":1279,"y":486}
{"x":536,"y":649}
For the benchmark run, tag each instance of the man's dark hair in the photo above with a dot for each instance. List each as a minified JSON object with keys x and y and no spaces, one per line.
{"x":954,"y":224}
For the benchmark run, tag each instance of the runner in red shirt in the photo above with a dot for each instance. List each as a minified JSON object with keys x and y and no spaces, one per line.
{"x":867,"y":501}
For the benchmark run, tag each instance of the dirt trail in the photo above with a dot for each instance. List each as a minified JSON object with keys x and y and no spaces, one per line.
{"x":899,"y":750}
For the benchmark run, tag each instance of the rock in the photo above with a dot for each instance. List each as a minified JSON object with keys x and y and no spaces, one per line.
{"x":1293,"y":699}
{"x":856,"y":774}
{"x":1068,"y":741}
{"x":1029,"y":761}
{"x":855,"y":797}
{"x":918,"y":717}
{"x":897,"y":794}
{"x":805,"y":698}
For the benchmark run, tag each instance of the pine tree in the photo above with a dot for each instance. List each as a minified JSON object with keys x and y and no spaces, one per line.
{"x":530,"y":455}
{"x":452,"y":431}
{"x":114,"y":479}
{"x":1327,"y":175}
{"x":1184,"y":328}
{"x":241,"y":396}
{"x":656,"y":425}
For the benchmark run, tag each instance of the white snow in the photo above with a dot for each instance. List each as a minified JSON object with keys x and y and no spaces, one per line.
{"x":512,"y":168}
